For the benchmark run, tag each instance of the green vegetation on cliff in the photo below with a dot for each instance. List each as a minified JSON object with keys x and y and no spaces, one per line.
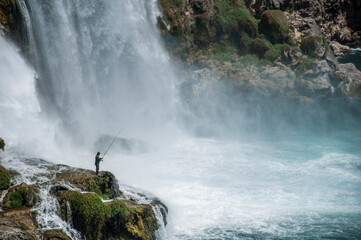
{"x":18,"y":198}
{"x":4,"y":179}
{"x":234,"y":15}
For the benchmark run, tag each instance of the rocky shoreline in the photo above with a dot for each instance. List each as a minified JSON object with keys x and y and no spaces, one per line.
{"x":90,"y":206}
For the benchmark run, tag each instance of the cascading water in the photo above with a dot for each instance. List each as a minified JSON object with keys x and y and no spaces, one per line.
{"x":100,"y":66}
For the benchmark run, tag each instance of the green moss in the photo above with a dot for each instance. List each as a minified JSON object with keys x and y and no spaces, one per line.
{"x":233,"y":14}
{"x":88,"y":212}
{"x":105,"y":197}
{"x":272,"y":54}
{"x":18,"y":198}
{"x":97,"y":220}
{"x":245,"y":43}
{"x":261,"y":46}
{"x":2,"y":144}
{"x":4,"y":179}
{"x":305,"y":64}
{"x":311,"y":45}
{"x":274,"y":25}
{"x":169,"y":3}
{"x":222,"y":51}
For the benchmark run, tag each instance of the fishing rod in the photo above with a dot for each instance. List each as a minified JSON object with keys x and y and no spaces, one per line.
{"x":112,"y":142}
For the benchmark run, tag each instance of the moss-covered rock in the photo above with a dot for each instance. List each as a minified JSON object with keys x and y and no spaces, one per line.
{"x":2,"y":144}
{"x":261,"y":46}
{"x":314,"y":46}
{"x":20,"y":195}
{"x":112,"y":220}
{"x":274,"y":25}
{"x":103,"y":184}
{"x":4,"y":179}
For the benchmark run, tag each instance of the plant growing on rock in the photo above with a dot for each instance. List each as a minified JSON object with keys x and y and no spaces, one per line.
{"x":4,"y":179}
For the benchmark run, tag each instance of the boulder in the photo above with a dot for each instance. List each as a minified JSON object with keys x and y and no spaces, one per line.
{"x":274,"y":25}
{"x":351,"y":80}
{"x":339,"y":49}
{"x":314,"y":46}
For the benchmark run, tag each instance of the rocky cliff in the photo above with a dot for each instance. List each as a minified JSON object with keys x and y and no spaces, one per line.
{"x":267,"y":47}
{"x":92,"y":205}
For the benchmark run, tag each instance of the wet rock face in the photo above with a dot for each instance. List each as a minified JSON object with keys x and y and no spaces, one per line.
{"x":12,"y":24}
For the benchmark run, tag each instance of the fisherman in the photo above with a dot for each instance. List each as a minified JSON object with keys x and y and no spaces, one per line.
{"x":97,"y":161}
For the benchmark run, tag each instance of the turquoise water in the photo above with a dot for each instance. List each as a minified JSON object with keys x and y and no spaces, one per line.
{"x":297,"y":187}
{"x":354,"y":57}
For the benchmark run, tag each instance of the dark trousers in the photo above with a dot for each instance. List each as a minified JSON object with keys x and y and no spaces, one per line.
{"x":96,"y":168}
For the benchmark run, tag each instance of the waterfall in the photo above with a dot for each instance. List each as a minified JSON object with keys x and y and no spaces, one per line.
{"x":102,"y":66}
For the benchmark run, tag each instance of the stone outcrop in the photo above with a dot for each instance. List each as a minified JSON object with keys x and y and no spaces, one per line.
{"x":92,"y":204}
{"x":274,"y":25}
{"x":104,"y":185}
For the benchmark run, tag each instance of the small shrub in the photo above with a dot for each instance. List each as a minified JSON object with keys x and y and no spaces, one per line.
{"x":272,"y":54}
{"x":4,"y":179}
{"x":223,"y":51}
{"x":18,"y":198}
{"x":233,"y":14}
{"x":305,"y":64}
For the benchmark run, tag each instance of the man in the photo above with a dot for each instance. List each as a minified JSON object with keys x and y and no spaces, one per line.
{"x":97,"y":161}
